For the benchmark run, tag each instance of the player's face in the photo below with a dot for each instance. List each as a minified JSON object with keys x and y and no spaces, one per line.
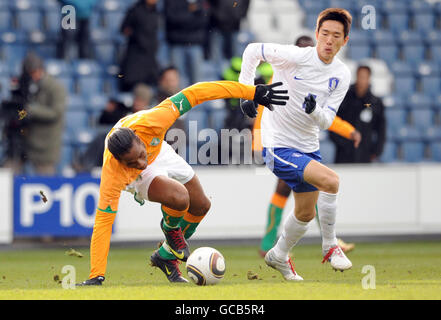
{"x":136,"y":157}
{"x":330,"y":38}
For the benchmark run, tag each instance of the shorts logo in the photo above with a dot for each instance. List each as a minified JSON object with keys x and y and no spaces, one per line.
{"x":333,"y":84}
{"x":296,"y":154}
{"x":155,"y":142}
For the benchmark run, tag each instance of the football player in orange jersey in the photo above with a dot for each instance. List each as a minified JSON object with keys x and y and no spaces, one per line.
{"x":138,"y":160}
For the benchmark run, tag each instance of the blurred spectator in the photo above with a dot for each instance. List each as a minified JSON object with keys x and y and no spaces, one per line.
{"x":186,"y":22}
{"x":37,"y":129}
{"x":142,"y":98}
{"x":139,"y":64}
{"x":115,"y":110}
{"x":225,"y":18}
{"x":168,"y":85}
{"x":366,"y":113}
{"x":81,"y":33}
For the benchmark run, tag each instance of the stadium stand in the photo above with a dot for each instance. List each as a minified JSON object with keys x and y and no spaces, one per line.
{"x":404,"y":52}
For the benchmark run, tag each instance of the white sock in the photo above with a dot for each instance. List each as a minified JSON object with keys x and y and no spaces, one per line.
{"x":327,"y":211}
{"x":293,"y":231}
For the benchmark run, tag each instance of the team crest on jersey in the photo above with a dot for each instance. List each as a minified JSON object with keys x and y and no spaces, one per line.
{"x":333,"y":84}
{"x":155,"y":142}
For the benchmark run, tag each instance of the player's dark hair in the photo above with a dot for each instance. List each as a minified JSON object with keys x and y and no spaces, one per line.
{"x":336,"y":14}
{"x":300,"y":42}
{"x":365,"y":67}
{"x":121,"y":141}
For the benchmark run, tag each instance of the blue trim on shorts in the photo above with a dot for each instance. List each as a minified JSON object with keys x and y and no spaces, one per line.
{"x":289,"y":164}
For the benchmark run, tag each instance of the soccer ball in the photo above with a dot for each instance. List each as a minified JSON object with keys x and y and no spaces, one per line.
{"x":205,"y":266}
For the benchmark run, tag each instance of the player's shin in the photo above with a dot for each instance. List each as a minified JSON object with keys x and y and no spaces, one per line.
{"x":189,"y":223}
{"x":327,"y":209}
{"x":293,"y":231}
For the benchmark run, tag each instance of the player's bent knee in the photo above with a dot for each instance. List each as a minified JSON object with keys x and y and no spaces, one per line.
{"x":180,"y":201}
{"x":331,"y":183}
{"x":202,"y":208}
{"x":305,"y":216}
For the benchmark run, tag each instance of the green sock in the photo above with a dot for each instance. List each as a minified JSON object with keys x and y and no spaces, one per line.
{"x":273,"y":222}
{"x":188,"y":228}
{"x":164,"y":253}
{"x":170,"y":222}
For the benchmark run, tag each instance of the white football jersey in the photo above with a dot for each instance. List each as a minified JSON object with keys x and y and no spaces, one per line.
{"x":302,"y":73}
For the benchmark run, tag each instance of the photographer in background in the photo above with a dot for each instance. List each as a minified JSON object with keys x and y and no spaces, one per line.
{"x":37,"y":124}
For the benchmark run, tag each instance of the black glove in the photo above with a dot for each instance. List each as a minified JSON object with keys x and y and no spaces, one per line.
{"x":266,"y":96}
{"x":309,"y":104}
{"x":248,"y":107}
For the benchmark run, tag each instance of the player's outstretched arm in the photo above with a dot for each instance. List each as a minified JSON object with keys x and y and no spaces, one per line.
{"x":266,"y":96}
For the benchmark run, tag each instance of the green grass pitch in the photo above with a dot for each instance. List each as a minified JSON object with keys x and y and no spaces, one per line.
{"x":402,"y":270}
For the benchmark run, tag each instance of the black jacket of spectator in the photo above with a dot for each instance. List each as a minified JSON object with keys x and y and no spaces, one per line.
{"x":227,"y":14}
{"x":139,"y":64}
{"x":366,"y":114}
{"x":186,"y":21}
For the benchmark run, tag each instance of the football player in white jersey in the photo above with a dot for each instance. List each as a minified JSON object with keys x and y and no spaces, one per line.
{"x":317,"y":82}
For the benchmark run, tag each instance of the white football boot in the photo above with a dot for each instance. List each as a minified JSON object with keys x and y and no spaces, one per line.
{"x":338,"y":260}
{"x":286,"y":268}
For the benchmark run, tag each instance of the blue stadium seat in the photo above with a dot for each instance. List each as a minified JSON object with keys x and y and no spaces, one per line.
{"x":387,"y":52}
{"x":419,"y":101}
{"x":413,"y":53}
{"x":66,"y":157}
{"x":435,"y":150}
{"x":360,"y":36}
{"x":88,"y":77}
{"x":327,"y":151}
{"x":28,"y":20}
{"x":5,"y":88}
{"x":413,"y":151}
{"x":314,"y":6}
{"x":359,"y":51}
{"x":437,"y":102}
{"x":68,"y":83}
{"x":89,"y":85}
{"x":433,"y":133}
{"x":52,"y":20}
{"x":431,"y":85}
{"x":218,"y":117}
{"x":435,"y":50}
{"x":5,"y":19}
{"x":404,"y":85}
{"x":310,"y":20}
{"x":383,"y":37}
{"x":421,"y":118}
{"x":105,"y":52}
{"x":58,"y":67}
{"x":395,"y":118}
{"x":408,"y":133}
{"x":76,"y":102}
{"x":397,"y":21}
{"x":424,"y":21}
{"x":389,"y":152}
{"x":76,"y":120}
{"x":113,"y":20}
{"x":400,"y":68}
{"x":97,"y":102}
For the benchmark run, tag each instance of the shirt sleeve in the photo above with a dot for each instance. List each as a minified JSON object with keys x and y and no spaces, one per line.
{"x":341,"y":127}
{"x":324,"y":115}
{"x":279,"y":56}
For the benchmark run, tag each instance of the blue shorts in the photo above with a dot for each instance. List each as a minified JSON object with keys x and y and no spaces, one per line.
{"x":288,"y":164}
